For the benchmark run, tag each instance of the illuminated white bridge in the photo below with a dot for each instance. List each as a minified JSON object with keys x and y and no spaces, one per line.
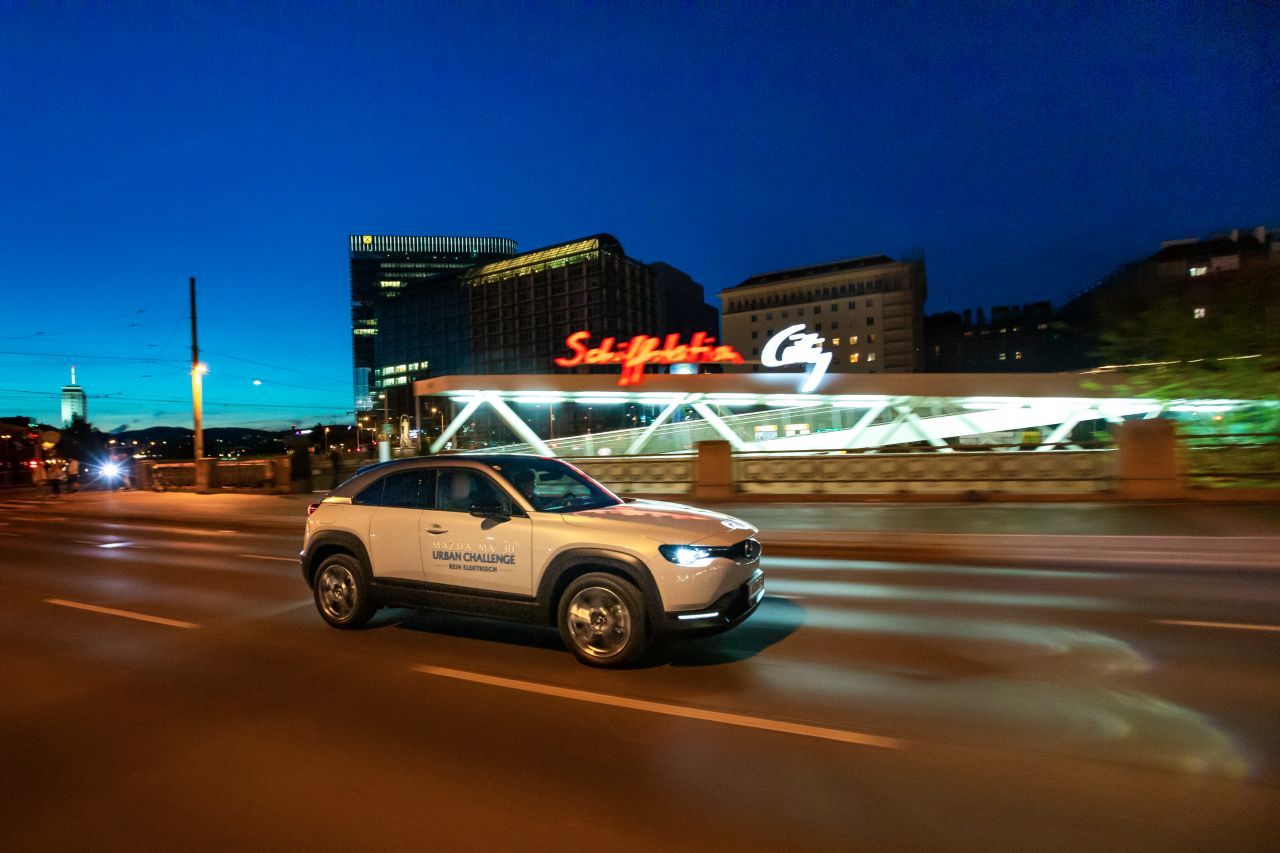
{"x":759,"y":412}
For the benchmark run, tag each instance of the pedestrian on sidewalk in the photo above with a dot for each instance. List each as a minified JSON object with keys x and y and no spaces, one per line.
{"x":73,"y":475}
{"x":57,"y":476}
{"x":39,"y":477}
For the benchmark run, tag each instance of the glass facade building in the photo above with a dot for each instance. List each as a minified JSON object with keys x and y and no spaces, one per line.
{"x":385,"y":269}
{"x":511,"y":315}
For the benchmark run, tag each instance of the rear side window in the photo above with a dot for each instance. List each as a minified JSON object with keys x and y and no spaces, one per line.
{"x":405,"y":489}
{"x":459,"y":489}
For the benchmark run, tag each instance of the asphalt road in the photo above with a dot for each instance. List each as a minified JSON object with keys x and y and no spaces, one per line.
{"x":202,"y":704}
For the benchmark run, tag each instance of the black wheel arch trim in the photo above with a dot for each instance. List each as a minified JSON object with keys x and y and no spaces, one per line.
{"x":567,"y":563}
{"x":327,"y":541}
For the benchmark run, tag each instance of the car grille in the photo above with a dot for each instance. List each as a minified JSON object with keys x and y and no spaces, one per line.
{"x":746,"y":551}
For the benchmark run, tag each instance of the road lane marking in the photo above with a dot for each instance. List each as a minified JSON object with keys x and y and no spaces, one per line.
{"x":265,"y":557}
{"x":127,"y":614}
{"x":1236,"y":626}
{"x":115,"y":544}
{"x":2,"y":533}
{"x":669,"y":710}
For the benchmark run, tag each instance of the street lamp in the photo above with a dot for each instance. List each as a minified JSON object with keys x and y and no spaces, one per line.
{"x":198,"y":370}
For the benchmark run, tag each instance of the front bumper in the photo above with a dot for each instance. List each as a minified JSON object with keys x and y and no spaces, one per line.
{"x":720,"y":615}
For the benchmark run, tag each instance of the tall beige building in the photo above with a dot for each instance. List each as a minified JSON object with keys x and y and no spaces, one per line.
{"x":868,"y":311}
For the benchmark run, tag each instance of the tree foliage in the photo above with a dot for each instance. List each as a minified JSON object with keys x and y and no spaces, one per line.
{"x":1166,"y":351}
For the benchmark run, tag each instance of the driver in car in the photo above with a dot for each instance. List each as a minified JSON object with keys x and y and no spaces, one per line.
{"x":526,"y":482}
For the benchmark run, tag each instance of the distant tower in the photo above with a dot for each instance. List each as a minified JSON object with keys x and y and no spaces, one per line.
{"x":74,"y":404}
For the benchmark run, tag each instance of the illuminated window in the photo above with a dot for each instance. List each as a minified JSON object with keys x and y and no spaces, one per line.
{"x":1003,"y":330}
{"x":1003,"y":356}
{"x":855,"y":357}
{"x":1042,"y":326}
{"x":1198,"y":313}
{"x":835,"y":342}
{"x":1195,"y":271}
{"x":853,"y":339}
{"x":871,"y":356}
{"x":1017,"y":356}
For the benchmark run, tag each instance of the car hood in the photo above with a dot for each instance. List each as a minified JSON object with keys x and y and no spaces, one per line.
{"x":666,"y":523}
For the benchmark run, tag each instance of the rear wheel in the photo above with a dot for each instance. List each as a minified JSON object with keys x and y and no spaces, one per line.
{"x":341,"y":593}
{"x":602,"y":620}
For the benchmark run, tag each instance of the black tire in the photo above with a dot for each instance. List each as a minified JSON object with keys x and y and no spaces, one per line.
{"x":342,"y":593}
{"x":602,"y":620}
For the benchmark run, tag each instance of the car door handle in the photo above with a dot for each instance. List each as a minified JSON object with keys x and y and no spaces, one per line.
{"x":437,"y":529}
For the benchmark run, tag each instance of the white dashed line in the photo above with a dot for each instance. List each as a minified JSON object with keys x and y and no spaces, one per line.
{"x":669,"y":710}
{"x":265,"y":557}
{"x":126,"y":614}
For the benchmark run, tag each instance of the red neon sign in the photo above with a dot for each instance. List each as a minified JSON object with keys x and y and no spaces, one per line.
{"x":646,"y":349}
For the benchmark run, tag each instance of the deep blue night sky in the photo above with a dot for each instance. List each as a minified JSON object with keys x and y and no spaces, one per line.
{"x":1025,"y":152}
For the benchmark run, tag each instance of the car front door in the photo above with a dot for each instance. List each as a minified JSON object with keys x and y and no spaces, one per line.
{"x":490,"y":553}
{"x":397,"y":528}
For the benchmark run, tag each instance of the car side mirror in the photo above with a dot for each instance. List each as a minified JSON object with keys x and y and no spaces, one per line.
{"x":490,"y":509}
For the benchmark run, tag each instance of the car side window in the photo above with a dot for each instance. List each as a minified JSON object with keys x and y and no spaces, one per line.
{"x":404,"y":489}
{"x":459,"y":489}
{"x":371,"y":495}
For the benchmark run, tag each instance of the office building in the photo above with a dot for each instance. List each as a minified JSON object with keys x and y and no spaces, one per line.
{"x":513,"y":315}
{"x":1015,"y":339}
{"x":74,"y":402}
{"x":867,"y":311}
{"x":523,"y":308}
{"x":386,"y":268}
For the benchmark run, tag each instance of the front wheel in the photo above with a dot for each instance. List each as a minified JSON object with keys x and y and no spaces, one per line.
{"x":602,"y":620}
{"x":342,"y":595}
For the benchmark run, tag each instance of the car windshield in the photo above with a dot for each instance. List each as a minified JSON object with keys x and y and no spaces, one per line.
{"x":554,"y":486}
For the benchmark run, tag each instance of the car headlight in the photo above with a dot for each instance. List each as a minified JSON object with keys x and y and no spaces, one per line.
{"x":684,"y":555}
{"x":110,"y":469}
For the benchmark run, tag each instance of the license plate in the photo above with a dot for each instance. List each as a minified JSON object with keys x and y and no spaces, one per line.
{"x":756,"y":588}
